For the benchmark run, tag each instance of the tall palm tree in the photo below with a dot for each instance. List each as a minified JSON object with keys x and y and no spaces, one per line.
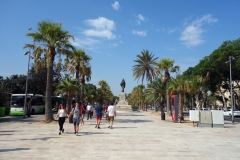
{"x":79,"y":64}
{"x":178,"y":86}
{"x":69,"y":87}
{"x":99,"y":95}
{"x":106,"y":91}
{"x":155,"y":91}
{"x":194,"y":85}
{"x":165,"y":66}
{"x":50,"y":40}
{"x":145,"y":67}
{"x":89,"y":93}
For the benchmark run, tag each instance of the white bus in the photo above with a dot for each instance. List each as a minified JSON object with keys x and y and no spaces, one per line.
{"x":17,"y":104}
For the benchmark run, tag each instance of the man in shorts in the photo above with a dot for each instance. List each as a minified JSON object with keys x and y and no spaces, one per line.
{"x":98,"y":113}
{"x":76,"y":112}
{"x":111,"y":114}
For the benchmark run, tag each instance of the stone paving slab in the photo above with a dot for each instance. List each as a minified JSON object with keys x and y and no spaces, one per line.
{"x":136,"y":135}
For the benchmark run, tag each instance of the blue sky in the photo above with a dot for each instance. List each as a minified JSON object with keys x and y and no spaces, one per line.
{"x":114,"y":32}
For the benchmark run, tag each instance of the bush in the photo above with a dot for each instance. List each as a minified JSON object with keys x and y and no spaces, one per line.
{"x":134,"y":107}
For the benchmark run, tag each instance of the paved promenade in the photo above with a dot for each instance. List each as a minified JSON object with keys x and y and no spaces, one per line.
{"x":135,"y":136}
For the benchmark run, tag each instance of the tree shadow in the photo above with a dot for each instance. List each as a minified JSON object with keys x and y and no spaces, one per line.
{"x":122,"y":127}
{"x":43,"y":139}
{"x":5,"y":134}
{"x":18,"y":119}
{"x":132,"y":121}
{"x":90,"y":133}
{"x":8,"y":131}
{"x":15,"y":149}
{"x":229,"y":126}
{"x":132,"y":115}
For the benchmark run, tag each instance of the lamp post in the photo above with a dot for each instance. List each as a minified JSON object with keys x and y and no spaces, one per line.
{"x":25,"y":101}
{"x":230,"y":68}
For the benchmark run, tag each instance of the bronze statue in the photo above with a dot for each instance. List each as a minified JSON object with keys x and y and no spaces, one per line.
{"x":122,"y":84}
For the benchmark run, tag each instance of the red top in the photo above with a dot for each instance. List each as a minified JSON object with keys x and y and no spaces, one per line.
{"x":83,"y":109}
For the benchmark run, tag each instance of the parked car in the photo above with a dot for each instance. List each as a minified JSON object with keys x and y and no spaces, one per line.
{"x":229,"y":112}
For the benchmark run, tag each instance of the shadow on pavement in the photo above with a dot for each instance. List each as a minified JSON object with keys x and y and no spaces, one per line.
{"x":131,"y":121}
{"x":43,"y":139}
{"x":133,"y":115}
{"x":91,"y":133}
{"x":8,"y":131}
{"x":5,"y":134}
{"x":123,"y":127}
{"x":16,"y":149}
{"x":18,"y":119}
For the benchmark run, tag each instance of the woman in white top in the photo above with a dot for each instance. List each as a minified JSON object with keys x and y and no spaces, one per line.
{"x":62,"y":113}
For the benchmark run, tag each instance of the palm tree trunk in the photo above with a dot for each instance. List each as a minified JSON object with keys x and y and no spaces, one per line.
{"x":167,"y":99}
{"x":48,"y":99}
{"x":77,"y":77}
{"x":180,"y":107}
{"x":68,"y":103}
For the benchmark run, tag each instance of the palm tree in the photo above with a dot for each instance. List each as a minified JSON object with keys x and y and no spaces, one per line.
{"x":89,"y":93}
{"x":194,"y":85}
{"x":155,"y":91}
{"x":178,"y":85}
{"x":106,"y":91}
{"x":69,"y":87}
{"x":145,"y":67}
{"x":50,"y":40}
{"x":99,"y":95}
{"x":166,"y":65}
{"x":80,"y":66}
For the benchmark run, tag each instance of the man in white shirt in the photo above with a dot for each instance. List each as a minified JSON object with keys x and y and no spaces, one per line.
{"x":111,"y":114}
{"x":89,"y":111}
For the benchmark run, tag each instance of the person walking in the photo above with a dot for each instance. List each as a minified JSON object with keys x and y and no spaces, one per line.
{"x":76,"y":112}
{"x":83,"y":110}
{"x":111,"y":114}
{"x":98,"y":113}
{"x":106,"y":113}
{"x":89,"y":111}
{"x":62,"y":113}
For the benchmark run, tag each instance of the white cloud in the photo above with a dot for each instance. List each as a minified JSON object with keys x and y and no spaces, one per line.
{"x":99,"y":33}
{"x":116,"y":5}
{"x":102,"y":27}
{"x":85,"y":42}
{"x":140,"y":19}
{"x":172,"y":30}
{"x":192,"y":33}
{"x":139,"y":33}
{"x":101,"y":23}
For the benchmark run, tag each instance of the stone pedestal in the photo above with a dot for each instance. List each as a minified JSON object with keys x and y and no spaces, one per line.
{"x":122,"y":103}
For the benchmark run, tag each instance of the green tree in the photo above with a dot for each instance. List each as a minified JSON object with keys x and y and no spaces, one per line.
{"x":79,"y":64}
{"x":155,"y":91}
{"x":89,"y":92}
{"x":145,"y":67}
{"x":178,"y":86}
{"x":50,"y":40}
{"x":69,"y":87}
{"x":165,"y":66}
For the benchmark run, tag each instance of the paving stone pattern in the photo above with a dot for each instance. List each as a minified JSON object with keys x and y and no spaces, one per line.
{"x":135,"y":136}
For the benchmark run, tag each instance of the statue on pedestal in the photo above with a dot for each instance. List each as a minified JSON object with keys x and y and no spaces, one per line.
{"x":122,"y":84}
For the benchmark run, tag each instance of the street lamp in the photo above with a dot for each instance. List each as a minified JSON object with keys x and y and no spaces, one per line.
{"x":25,"y":101}
{"x":230,"y":68}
